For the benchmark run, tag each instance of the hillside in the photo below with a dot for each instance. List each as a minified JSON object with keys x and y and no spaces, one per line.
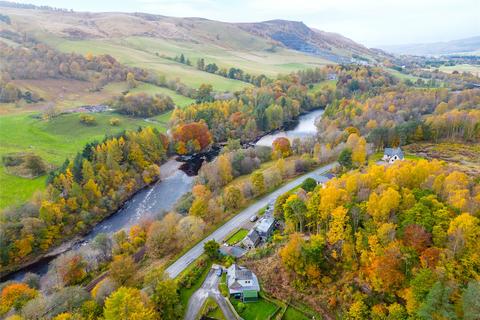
{"x":461,"y":46}
{"x":287,"y":42}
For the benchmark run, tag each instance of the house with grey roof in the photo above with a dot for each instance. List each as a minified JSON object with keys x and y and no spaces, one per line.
{"x":242,"y":283}
{"x":391,"y":155}
{"x":252,"y":239}
{"x":265,"y":226}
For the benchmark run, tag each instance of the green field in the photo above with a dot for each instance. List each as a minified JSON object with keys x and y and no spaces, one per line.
{"x":237,"y":237}
{"x":259,"y":310}
{"x":141,"y":58}
{"x":474,"y":69}
{"x":54,"y":141}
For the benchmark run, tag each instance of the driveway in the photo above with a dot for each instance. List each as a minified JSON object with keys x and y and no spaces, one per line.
{"x":237,"y":221}
{"x":209,"y":288}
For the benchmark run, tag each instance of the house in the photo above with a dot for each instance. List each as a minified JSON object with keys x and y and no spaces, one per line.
{"x":265,"y":226}
{"x":391,"y":155}
{"x":251,"y":240}
{"x":242,"y":283}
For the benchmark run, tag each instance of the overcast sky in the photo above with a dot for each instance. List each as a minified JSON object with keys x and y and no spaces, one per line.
{"x":370,"y":22}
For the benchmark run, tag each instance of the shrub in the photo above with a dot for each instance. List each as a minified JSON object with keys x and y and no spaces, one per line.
{"x":88,"y":120}
{"x":115,"y":122}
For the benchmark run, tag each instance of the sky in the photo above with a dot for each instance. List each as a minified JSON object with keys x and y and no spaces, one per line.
{"x":374,"y":23}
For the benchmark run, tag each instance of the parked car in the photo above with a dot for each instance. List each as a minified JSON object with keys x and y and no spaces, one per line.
{"x":253,"y":218}
{"x":219,"y":272}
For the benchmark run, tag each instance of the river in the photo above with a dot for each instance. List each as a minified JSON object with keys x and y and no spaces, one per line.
{"x":159,"y":198}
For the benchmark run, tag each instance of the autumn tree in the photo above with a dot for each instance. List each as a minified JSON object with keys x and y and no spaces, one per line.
{"x":122,"y":269}
{"x":281,"y":148}
{"x":258,"y":182}
{"x":129,"y":303}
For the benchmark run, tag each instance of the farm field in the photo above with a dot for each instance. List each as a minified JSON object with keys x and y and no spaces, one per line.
{"x":474,"y":69}
{"x":54,"y":141}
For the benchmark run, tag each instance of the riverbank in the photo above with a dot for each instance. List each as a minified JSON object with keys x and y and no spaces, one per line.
{"x":121,"y":218}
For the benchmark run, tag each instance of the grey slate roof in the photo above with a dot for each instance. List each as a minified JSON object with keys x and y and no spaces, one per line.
{"x":235,"y":274}
{"x":390,"y":152}
{"x":265,"y":225}
{"x":253,"y":236}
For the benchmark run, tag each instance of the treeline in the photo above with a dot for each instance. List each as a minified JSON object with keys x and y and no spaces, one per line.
{"x":230,"y":73}
{"x":9,"y":92}
{"x":39,"y":61}
{"x":404,"y":116}
{"x":82,"y":193}
{"x":142,"y":104}
{"x":395,"y":242}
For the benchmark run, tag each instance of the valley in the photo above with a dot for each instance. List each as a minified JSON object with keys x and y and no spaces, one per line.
{"x":164,"y":167}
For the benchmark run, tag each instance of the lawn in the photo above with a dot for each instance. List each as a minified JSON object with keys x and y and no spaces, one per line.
{"x":54,"y":141}
{"x":474,"y":69}
{"x":260,"y":310}
{"x":237,"y":237}
{"x":294,"y":314}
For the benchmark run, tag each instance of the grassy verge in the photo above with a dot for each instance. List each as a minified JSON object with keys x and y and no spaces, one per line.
{"x":196,"y":272}
{"x":237,"y":236}
{"x":211,"y":309}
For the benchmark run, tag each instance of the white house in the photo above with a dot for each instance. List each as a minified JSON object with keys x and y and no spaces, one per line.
{"x":391,"y":155}
{"x":242,"y":283}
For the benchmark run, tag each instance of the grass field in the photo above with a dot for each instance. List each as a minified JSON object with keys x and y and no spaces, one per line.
{"x":54,"y":141}
{"x":141,"y":58}
{"x":474,"y":69}
{"x":237,"y":237}
{"x":215,"y":313}
{"x":259,"y":310}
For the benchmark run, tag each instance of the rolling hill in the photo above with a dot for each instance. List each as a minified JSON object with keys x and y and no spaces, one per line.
{"x":461,"y":46}
{"x":280,"y":45}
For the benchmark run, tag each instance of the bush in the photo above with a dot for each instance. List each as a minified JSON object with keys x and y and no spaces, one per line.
{"x":309,"y":184}
{"x":88,"y":120}
{"x":241,"y":307}
{"x":115,"y":122}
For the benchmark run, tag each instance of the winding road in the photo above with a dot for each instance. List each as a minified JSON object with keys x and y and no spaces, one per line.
{"x":218,"y":235}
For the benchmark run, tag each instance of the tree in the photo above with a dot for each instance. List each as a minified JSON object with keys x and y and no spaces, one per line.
{"x":437,"y":303}
{"x":345,"y":158}
{"x":281,"y":148}
{"x":166,"y":300}
{"x":131,"y":82}
{"x":309,"y":184}
{"x":471,"y":301}
{"x":232,"y":197}
{"x":211,"y":249}
{"x":122,"y":269}
{"x":204,"y":93}
{"x":258,"y":183}
{"x":190,"y":228}
{"x":15,"y":295}
{"x":128,"y":303}
{"x":201,"y":64}
{"x":71,"y":267}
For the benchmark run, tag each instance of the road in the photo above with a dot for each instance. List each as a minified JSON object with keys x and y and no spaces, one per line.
{"x":218,"y":235}
{"x":209,"y":288}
